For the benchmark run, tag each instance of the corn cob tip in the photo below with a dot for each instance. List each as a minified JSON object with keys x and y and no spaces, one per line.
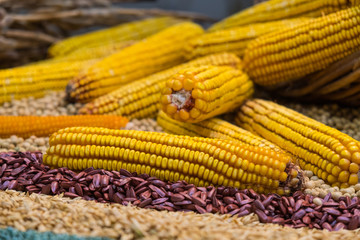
{"x":68,"y":96}
{"x":198,"y":93}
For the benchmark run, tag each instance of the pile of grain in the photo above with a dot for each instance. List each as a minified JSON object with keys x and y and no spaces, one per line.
{"x":87,"y":218}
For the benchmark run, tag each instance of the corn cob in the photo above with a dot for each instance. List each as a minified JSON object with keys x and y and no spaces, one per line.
{"x":156,"y":53}
{"x":141,"y":98}
{"x":124,"y":32}
{"x":98,"y":52}
{"x":274,"y":10}
{"x":198,"y":93}
{"x":35,"y":79}
{"x":234,"y":40}
{"x":214,"y":128}
{"x":26,"y":126}
{"x":332,"y":155}
{"x":201,"y":161}
{"x":292,"y":53}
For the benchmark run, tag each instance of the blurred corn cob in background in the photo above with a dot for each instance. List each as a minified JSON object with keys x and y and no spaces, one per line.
{"x":36,"y":79}
{"x":274,"y":10}
{"x":198,"y":93}
{"x":339,"y":83}
{"x":201,"y":161}
{"x":234,"y":40}
{"x":155,"y":53}
{"x":287,"y":55}
{"x":44,"y":126}
{"x":141,"y":98}
{"x":330,"y":154}
{"x":213,"y":128}
{"x":124,"y":32}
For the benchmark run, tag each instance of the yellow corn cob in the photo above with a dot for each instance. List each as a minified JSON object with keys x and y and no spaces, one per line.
{"x":202,"y":161}
{"x":214,"y":128}
{"x":292,"y":53}
{"x":35,"y":79}
{"x":26,"y":126}
{"x":141,"y":98}
{"x":124,"y":32}
{"x":153,"y":54}
{"x":234,"y":40}
{"x":84,"y":54}
{"x":329,"y":153}
{"x":274,"y":10}
{"x":198,"y":93}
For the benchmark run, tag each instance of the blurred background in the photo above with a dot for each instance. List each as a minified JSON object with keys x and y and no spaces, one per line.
{"x":29,"y":27}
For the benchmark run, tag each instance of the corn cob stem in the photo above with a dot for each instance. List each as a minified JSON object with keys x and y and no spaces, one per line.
{"x":141,"y":98}
{"x":234,"y":40}
{"x":153,"y":54}
{"x":287,"y":55}
{"x":329,"y":153}
{"x":196,"y":94}
{"x":202,"y":161}
{"x":26,"y":126}
{"x":274,"y":10}
{"x":129,"y":31}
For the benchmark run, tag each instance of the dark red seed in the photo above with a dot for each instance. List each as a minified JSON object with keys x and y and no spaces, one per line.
{"x":354,"y":223}
{"x":332,"y":211}
{"x":78,"y":189}
{"x":158,"y":183}
{"x":105,"y":180}
{"x":327,"y":226}
{"x":228,"y":200}
{"x":46,"y":189}
{"x":200,"y":209}
{"x":259,"y":205}
{"x":299,"y":214}
{"x":177,"y":197}
{"x":118,"y":197}
{"x":278,"y":220}
{"x":159,"y":201}
{"x":3,"y":168}
{"x":54,"y":187}
{"x":126,"y":173}
{"x":306,"y":220}
{"x":96,"y":180}
{"x":209,"y":208}
{"x":339,"y":226}
{"x":198,"y":201}
{"x":185,"y":202}
{"x":157,"y":190}
{"x":13,"y":184}
{"x":262,"y":216}
{"x":298,"y":204}
{"x":145,"y":202}
{"x":18,"y":170}
{"x":70,"y":195}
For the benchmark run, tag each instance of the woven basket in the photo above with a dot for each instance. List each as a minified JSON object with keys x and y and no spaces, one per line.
{"x":29,"y":27}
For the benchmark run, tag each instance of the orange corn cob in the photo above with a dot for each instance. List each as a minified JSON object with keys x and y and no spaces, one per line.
{"x":26,"y":126}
